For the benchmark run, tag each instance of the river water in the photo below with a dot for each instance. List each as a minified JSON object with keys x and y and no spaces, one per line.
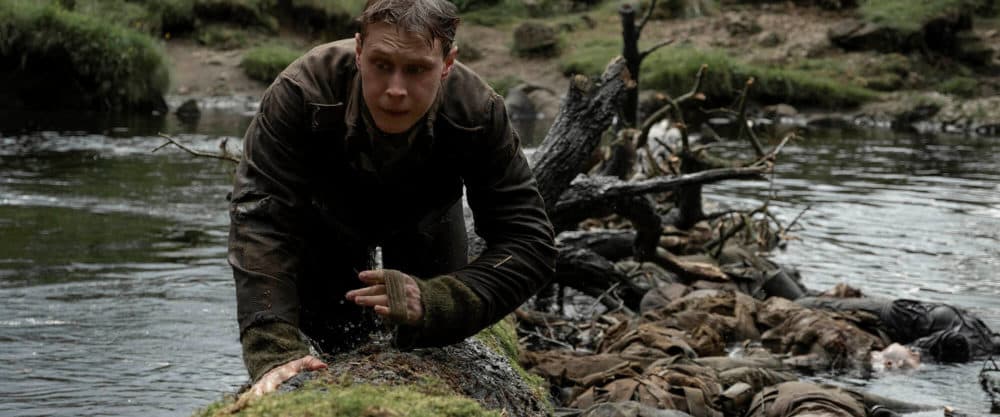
{"x":117,"y":299}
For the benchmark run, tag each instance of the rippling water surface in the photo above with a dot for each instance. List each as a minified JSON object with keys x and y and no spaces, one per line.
{"x":117,"y":299}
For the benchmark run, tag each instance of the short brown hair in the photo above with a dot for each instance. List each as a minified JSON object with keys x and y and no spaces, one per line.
{"x":431,"y":19}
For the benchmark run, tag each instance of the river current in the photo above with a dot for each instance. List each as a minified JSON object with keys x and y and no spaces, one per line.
{"x":117,"y":299}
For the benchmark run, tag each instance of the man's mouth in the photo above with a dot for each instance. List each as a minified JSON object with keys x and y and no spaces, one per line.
{"x":395,"y":112}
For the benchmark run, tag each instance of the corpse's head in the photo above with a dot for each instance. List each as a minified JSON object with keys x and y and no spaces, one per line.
{"x":405,"y":49}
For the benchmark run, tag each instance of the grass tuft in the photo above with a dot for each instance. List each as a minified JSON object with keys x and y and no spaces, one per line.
{"x":264,"y":63}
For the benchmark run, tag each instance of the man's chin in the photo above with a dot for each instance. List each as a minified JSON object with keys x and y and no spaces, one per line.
{"x":395,"y":124}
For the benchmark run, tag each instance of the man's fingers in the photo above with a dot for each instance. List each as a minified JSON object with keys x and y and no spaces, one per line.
{"x":311,"y":363}
{"x":372,"y":277}
{"x":382,"y":311}
{"x":372,"y":290}
{"x":372,"y":300}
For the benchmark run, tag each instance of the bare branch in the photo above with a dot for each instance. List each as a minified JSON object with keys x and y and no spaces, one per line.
{"x":185,"y":148}
{"x":645,"y":19}
{"x":651,"y":49}
{"x":742,"y":120}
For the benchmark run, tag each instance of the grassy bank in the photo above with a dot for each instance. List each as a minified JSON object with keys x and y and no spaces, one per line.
{"x":264,"y":63}
{"x":673,"y":69}
{"x":74,"y":60}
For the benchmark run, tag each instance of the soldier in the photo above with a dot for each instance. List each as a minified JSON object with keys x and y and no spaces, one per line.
{"x":366,"y":143}
{"x":948,"y":333}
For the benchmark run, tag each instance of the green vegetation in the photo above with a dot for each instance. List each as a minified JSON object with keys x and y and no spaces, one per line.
{"x":502,"y":338}
{"x":960,"y":86}
{"x":342,"y":399}
{"x":264,"y":63}
{"x":76,"y":60}
{"x":222,"y":36}
{"x":502,"y":85}
{"x":673,"y":69}
{"x":910,"y":16}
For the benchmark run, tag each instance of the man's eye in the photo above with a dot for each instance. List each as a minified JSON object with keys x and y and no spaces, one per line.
{"x":382,"y":65}
{"x":416,"y":69}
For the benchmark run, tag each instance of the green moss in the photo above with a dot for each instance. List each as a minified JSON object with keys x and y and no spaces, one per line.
{"x":502,"y":337}
{"x":264,"y":63}
{"x":339,"y":399}
{"x":84,"y":61}
{"x":959,"y":86}
{"x":673,"y":69}
{"x":910,"y":16}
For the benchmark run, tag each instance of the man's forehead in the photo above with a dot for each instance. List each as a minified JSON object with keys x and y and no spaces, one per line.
{"x":386,"y":39}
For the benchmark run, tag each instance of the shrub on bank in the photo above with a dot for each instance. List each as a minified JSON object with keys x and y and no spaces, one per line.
{"x":57,"y":58}
{"x":909,"y":16}
{"x":673,"y":69}
{"x":264,"y":63}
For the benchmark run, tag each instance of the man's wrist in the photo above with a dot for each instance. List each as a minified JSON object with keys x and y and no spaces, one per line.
{"x":451,"y":312}
{"x":271,"y":344}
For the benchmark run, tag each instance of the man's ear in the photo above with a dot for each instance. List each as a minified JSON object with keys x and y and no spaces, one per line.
{"x":357,"y":49}
{"x":449,"y":61}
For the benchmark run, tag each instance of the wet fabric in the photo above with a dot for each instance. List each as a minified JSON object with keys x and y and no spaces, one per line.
{"x":948,"y":333}
{"x":816,"y":339}
{"x":796,"y":398}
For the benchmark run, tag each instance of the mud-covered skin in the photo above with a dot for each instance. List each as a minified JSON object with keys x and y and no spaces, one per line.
{"x":310,"y":202}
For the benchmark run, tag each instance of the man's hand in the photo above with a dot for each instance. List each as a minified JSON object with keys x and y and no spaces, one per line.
{"x":393,"y":294}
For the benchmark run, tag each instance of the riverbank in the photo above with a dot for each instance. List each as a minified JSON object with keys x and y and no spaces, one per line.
{"x":799,"y":54}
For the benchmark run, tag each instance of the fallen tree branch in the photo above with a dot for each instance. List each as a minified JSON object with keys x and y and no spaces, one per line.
{"x":185,"y":148}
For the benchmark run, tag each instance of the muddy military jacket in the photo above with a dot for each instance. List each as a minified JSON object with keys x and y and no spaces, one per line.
{"x":306,"y":171}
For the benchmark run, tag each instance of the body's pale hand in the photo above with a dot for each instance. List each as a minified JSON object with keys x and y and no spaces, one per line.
{"x":273,"y":378}
{"x":376,"y":296}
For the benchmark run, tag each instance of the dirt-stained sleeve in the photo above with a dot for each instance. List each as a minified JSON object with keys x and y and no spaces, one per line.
{"x":268,"y":200}
{"x":510,"y":215}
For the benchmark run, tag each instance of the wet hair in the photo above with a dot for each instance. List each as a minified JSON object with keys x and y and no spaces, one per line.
{"x":430,"y":19}
{"x":951,"y":346}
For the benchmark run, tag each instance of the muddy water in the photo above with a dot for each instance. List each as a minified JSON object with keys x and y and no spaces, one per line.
{"x":117,"y":300}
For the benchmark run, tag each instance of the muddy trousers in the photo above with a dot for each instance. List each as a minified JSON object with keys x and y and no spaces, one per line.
{"x":334,"y":324}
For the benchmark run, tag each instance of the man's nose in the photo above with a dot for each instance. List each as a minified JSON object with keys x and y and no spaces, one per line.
{"x":397,"y":86}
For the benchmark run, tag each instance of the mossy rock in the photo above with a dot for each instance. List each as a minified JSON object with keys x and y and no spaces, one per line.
{"x":55,"y":58}
{"x":334,"y":398}
{"x":532,"y":39}
{"x":264,"y":63}
{"x":477,"y":377}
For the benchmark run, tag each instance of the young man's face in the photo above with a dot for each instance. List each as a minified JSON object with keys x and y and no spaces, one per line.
{"x":400,"y":75}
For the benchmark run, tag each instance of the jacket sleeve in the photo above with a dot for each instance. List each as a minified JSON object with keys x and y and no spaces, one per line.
{"x":510,"y":215}
{"x":265,"y":234}
{"x":520,"y":250}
